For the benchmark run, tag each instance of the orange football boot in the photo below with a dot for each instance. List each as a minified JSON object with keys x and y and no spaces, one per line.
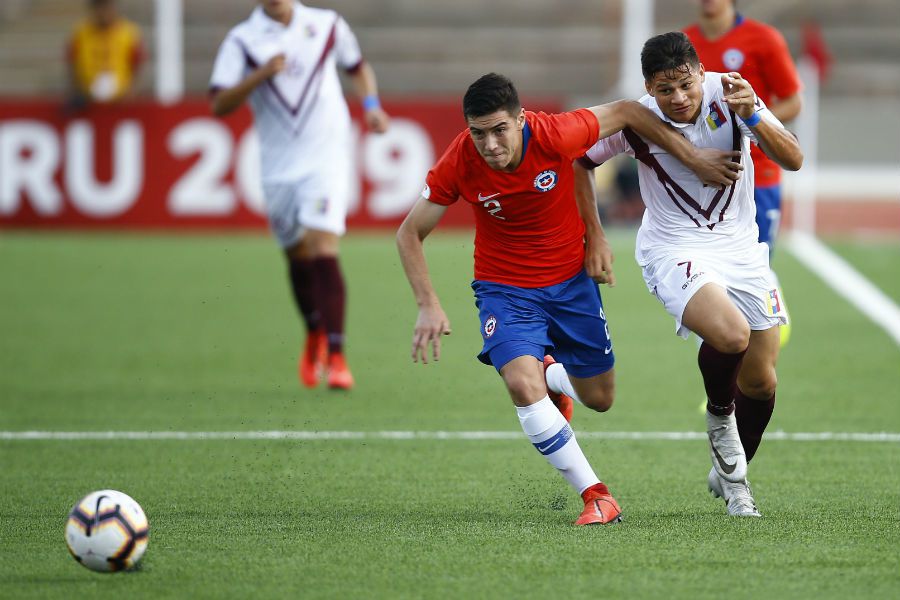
{"x":600,"y":508}
{"x":312,"y":361}
{"x":339,"y":377}
{"x":564,"y":403}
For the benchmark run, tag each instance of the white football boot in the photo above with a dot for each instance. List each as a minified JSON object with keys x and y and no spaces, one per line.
{"x":737,"y":496}
{"x":725,"y":448}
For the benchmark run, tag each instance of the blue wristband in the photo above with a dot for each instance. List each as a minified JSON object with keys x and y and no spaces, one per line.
{"x":752,"y":121}
{"x":370,"y":102}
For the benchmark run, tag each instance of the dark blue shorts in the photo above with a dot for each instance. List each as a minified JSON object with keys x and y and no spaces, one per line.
{"x":768,"y":213}
{"x":565,"y":320}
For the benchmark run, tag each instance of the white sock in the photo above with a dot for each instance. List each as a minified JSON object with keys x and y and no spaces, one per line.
{"x":558,"y":381}
{"x":554,"y":438}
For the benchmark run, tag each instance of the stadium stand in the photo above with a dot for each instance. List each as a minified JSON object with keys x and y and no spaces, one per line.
{"x":424,"y":47}
{"x":566,"y":47}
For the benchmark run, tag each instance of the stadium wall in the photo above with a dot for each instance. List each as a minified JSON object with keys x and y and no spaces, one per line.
{"x":148,"y":166}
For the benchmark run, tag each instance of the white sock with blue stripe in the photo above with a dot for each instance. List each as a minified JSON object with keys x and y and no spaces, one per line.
{"x":554,"y":438}
{"x":558,"y":381}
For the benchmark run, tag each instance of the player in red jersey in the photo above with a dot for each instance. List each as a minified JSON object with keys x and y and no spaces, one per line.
{"x":538,"y":253}
{"x":727,"y":41}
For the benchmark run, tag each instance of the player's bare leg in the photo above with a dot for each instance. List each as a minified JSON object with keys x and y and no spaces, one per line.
{"x":553,"y":437}
{"x":725,"y":332}
{"x":597,"y":392}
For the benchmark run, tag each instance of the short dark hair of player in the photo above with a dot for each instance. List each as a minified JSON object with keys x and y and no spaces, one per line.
{"x":492,"y":92}
{"x":668,"y":53}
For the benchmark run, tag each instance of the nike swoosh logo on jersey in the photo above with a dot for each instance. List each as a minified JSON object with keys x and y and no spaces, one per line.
{"x":607,"y":350}
{"x":486,"y":198}
{"x":726,"y":468}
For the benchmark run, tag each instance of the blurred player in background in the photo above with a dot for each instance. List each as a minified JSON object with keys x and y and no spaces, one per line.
{"x":698,"y":249}
{"x":538,"y":253}
{"x":103,"y":56}
{"x":284,"y":58}
{"x":726,"y":41}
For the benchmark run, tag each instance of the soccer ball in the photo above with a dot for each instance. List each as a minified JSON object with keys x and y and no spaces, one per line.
{"x":107,"y":531}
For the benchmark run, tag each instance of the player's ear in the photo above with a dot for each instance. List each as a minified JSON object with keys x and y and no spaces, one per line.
{"x":702,"y":73}
{"x":648,"y":87}
{"x":520,"y":118}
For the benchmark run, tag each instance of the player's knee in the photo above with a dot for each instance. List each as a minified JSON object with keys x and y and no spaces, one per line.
{"x":315,"y":243}
{"x":523,"y":389}
{"x":733,"y":339}
{"x":296,"y":252}
{"x":760,"y":388}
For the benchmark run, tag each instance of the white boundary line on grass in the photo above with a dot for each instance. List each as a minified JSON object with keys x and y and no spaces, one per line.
{"x":825,"y":436}
{"x":847,"y":282}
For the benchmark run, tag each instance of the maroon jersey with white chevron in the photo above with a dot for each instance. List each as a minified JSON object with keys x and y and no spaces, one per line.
{"x":300,"y":115}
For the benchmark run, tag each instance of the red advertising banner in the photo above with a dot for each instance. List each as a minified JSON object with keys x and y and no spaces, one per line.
{"x":143,"y":165}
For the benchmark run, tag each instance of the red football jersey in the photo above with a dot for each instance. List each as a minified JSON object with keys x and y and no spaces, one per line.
{"x":759,"y":53}
{"x":528,"y":232}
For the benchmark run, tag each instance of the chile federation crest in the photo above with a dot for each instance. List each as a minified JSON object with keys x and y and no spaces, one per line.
{"x":545,"y":181}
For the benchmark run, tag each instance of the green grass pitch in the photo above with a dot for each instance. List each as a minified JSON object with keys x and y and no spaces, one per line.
{"x":198,"y":333}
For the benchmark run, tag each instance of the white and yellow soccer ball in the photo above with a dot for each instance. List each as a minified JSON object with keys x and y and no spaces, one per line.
{"x":107,"y":531}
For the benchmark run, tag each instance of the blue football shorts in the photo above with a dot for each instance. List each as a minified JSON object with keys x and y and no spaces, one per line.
{"x":768,"y":213}
{"x":565,"y":320}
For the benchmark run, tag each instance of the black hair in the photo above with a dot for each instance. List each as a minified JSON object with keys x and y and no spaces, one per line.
{"x":668,"y":53}
{"x":492,"y":92}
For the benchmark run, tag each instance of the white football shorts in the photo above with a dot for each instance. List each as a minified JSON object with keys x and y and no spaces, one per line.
{"x":316,"y":202}
{"x":675,"y":275}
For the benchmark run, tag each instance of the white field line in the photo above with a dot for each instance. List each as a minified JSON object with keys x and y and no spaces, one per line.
{"x":825,"y":436}
{"x":847,"y":282}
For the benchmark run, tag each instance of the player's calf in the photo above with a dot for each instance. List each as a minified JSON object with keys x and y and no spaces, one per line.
{"x":600,"y":400}
{"x":597,"y":392}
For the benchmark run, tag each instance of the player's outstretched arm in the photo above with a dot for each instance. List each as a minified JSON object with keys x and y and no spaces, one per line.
{"x":712,"y":167}
{"x":431,"y":322}
{"x":228,"y":100}
{"x":598,"y":256}
{"x":778,"y":143}
{"x":366,"y":87}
